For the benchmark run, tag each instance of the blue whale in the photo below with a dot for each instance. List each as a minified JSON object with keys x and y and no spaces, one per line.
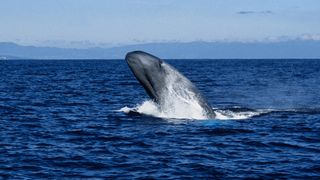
{"x":165,"y":85}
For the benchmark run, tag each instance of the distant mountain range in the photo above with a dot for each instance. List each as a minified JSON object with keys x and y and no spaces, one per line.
{"x":177,"y":50}
{"x":6,"y":57}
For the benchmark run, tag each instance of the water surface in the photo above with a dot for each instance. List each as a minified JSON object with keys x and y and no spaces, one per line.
{"x":60,"y":119}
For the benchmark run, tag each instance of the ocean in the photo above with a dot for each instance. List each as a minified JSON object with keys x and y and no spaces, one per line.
{"x":92,"y":119}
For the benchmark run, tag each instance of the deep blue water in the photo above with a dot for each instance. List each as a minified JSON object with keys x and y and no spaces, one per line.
{"x":59,"y":119}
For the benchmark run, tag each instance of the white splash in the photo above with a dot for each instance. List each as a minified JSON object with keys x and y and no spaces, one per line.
{"x":170,"y":112}
{"x":150,"y":108}
{"x":178,"y":99}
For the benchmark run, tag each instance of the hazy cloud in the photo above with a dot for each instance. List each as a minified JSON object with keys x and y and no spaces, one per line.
{"x":313,"y":37}
{"x":255,"y":12}
{"x":303,"y":37}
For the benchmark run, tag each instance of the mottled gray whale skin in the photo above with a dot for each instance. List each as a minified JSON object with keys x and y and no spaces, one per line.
{"x":152,"y":73}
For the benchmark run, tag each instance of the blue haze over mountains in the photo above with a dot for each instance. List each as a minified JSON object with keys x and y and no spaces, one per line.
{"x":173,"y":50}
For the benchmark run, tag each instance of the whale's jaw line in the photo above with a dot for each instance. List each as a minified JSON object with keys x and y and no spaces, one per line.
{"x":145,"y":68}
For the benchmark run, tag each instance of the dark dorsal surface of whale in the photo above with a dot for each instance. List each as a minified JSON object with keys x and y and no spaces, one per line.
{"x":165,"y":85}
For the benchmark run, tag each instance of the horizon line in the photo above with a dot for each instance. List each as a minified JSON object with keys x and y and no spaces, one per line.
{"x":162,"y":42}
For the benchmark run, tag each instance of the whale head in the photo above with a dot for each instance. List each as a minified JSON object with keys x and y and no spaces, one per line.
{"x":148,"y":71}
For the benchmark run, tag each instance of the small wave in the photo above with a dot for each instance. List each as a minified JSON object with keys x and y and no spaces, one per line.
{"x":239,"y":113}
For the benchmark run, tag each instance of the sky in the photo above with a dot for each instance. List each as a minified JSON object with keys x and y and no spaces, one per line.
{"x":80,"y":23}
